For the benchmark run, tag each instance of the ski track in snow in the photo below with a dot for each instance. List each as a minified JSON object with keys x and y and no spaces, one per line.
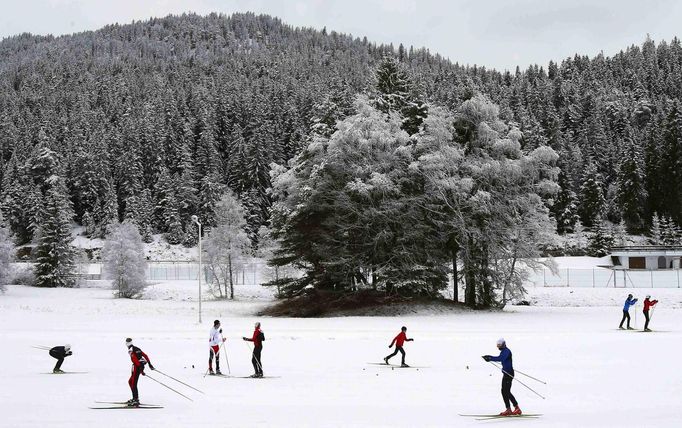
{"x":597,"y":375}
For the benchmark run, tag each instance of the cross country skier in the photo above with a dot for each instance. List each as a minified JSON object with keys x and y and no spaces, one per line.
{"x":648,"y":304}
{"x":505,"y":358}
{"x":399,"y":340}
{"x":60,"y":352}
{"x":139,"y":359}
{"x":626,"y":312}
{"x":214,"y":341}
{"x":257,"y":339}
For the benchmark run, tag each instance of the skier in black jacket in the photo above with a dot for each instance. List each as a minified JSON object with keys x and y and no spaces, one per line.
{"x":60,"y":352}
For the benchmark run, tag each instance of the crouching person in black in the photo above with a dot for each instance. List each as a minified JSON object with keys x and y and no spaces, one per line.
{"x":60,"y":352}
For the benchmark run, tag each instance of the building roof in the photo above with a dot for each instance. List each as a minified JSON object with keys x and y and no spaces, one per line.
{"x":647,"y":250}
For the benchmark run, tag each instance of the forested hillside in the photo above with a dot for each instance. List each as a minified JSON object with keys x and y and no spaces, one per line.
{"x":152,"y":121}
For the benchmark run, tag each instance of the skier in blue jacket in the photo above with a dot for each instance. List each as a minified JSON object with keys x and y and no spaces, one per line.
{"x":626,"y":311}
{"x":505,"y":358}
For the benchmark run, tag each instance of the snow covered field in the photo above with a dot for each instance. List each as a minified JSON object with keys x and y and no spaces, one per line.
{"x":597,"y":375}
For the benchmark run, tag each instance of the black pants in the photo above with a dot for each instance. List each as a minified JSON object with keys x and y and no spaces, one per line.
{"x":212,"y":353}
{"x":626,"y":316}
{"x":60,"y":359}
{"x":134,"y":378}
{"x":255,"y":360}
{"x":506,"y":390}
{"x":397,"y":349}
{"x":646,"y":323}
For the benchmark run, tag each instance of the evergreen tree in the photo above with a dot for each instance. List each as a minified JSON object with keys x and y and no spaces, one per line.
{"x":591,"y":196}
{"x":670,"y":232}
{"x":392,"y":86}
{"x":54,"y":253}
{"x":565,"y":208}
{"x":89,"y":225}
{"x":601,"y":240}
{"x":631,"y":194}
{"x":655,"y":232}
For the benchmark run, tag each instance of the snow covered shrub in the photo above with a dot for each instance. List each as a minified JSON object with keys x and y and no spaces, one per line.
{"x":24,"y":276}
{"x":124,"y":261}
{"x":6,"y":255}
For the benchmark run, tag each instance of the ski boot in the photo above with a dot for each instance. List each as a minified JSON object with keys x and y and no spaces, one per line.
{"x":211,"y":372}
{"x":517,"y":411}
{"x":507,"y":412}
{"x":621,"y":328}
{"x":647,"y":329}
{"x":57,"y":371}
{"x":218,"y":372}
{"x":630,"y":328}
{"x":133,"y":403}
{"x":259,"y":375}
{"x":255,"y":375}
{"x":403,"y":365}
{"x":386,"y":360}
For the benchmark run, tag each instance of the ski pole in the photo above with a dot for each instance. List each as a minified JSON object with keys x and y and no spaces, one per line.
{"x":531,"y":389}
{"x":526,"y":375}
{"x":179,"y":381}
{"x":42,"y":348}
{"x":253,"y":356}
{"x":227,"y":359}
{"x":163,"y":384}
{"x":217,"y":356}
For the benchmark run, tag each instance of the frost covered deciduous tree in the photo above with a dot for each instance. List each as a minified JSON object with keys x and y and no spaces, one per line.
{"x":227,"y":245}
{"x":124,"y":260}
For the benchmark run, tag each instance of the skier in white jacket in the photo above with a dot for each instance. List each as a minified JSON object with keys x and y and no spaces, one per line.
{"x":215,"y":339}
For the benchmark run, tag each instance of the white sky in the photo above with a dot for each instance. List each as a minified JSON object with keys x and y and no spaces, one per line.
{"x":493,"y":33}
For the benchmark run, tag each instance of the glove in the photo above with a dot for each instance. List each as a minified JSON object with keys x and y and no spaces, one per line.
{"x":69,"y":353}
{"x":224,"y":339}
{"x":220,"y":331}
{"x":486,"y":357}
{"x":142,"y":373}
{"x":244,"y":338}
{"x":390,"y":346}
{"x":151,"y":367}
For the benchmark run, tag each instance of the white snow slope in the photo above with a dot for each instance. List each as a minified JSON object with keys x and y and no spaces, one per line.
{"x":597,"y":376}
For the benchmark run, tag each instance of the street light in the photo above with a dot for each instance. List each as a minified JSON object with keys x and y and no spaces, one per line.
{"x":195,"y":219}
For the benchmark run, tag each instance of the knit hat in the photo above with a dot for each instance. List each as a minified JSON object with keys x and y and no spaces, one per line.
{"x":500,"y":341}
{"x":129,"y":342}
{"x":648,"y":296}
{"x":216,"y":322}
{"x":403,"y":328}
{"x":67,"y":347}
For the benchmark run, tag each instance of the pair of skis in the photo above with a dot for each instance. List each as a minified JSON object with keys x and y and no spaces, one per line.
{"x":489,"y":417}
{"x":243,"y":377}
{"x":124,"y":405}
{"x":396,"y":366}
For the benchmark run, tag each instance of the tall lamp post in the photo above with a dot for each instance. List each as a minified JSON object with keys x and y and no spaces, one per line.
{"x":195,"y":219}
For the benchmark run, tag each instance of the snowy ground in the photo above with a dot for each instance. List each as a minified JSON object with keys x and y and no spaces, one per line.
{"x":597,"y":375}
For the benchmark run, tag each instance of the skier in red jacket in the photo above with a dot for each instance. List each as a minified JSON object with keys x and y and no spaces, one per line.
{"x":399,"y":340}
{"x":257,"y":338}
{"x":139,"y":359}
{"x":648,"y":304}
